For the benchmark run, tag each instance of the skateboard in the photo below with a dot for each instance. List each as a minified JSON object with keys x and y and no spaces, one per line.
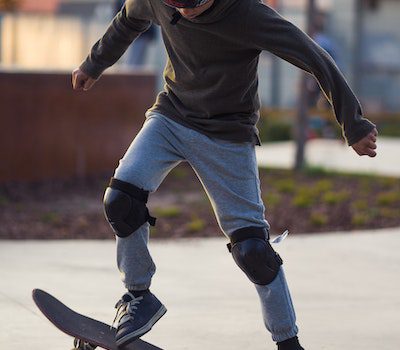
{"x":88,"y":333}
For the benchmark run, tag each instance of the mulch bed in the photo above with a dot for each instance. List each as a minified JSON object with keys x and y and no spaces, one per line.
{"x":308,"y":202}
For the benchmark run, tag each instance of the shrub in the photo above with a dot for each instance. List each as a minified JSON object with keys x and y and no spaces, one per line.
{"x":168,"y":212}
{"x":303,"y":199}
{"x":359,"y":219}
{"x":272,"y":129}
{"x":387,"y":198}
{"x":318,"y":219}
{"x":313,"y":170}
{"x":179,"y":173}
{"x":389,"y":213}
{"x":196,"y":224}
{"x":335,"y":197}
{"x":323,"y":185}
{"x":390,"y":182}
{"x":50,"y":217}
{"x":360,"y":204}
{"x":272,"y":199}
{"x":285,"y":185}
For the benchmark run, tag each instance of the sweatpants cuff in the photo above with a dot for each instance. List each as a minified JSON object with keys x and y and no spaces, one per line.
{"x":281,"y":336}
{"x":137,"y":286}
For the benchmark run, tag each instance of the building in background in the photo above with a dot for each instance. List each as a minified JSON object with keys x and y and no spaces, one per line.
{"x":57,"y":34}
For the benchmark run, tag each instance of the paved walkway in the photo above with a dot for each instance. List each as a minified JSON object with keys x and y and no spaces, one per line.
{"x":335,"y":155}
{"x":346,"y":288}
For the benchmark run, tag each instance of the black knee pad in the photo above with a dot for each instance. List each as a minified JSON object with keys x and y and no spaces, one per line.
{"x":254,"y":254}
{"x":125,"y":207}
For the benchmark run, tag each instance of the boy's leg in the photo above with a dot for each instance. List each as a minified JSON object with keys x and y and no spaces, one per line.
{"x":148,"y":160}
{"x":229,"y":174}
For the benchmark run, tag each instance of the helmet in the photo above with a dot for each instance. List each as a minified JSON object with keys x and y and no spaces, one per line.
{"x":185,"y":3}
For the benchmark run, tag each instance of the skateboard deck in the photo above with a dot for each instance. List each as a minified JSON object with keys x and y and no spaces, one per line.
{"x":88,"y":332}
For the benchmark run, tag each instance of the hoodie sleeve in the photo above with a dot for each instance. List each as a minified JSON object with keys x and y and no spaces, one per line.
{"x":267,"y":30}
{"x":123,"y":30}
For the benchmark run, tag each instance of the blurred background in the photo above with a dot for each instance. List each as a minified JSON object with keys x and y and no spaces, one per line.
{"x":58,"y":147}
{"x":363,"y":35}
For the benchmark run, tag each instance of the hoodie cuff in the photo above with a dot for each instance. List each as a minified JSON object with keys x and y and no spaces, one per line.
{"x":90,"y":69}
{"x":359,"y":131}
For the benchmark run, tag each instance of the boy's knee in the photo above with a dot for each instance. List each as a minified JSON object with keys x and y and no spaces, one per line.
{"x":125,"y":207}
{"x":254,"y":254}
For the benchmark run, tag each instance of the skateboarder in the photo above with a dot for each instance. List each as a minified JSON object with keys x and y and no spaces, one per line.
{"x":206,"y":116}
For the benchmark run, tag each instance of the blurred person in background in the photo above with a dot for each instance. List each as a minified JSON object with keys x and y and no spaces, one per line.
{"x":206,"y":116}
{"x":324,"y":40}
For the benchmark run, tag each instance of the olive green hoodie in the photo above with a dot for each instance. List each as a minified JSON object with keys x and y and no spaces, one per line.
{"x":211,"y":79}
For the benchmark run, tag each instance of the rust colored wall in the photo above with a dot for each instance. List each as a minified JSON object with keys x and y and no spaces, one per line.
{"x":50,"y":131}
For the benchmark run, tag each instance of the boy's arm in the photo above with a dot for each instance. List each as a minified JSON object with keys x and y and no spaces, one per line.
{"x":267,"y":30}
{"x":119,"y":35}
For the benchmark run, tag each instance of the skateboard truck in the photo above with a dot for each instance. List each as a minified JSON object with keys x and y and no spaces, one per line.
{"x":83,"y":345}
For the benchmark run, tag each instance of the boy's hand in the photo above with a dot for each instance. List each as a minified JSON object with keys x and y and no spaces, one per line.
{"x":367,"y":145}
{"x":81,"y":81}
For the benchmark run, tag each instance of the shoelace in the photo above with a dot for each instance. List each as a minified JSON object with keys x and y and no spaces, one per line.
{"x":126,"y":308}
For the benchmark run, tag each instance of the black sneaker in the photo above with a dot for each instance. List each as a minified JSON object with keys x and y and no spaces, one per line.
{"x":136,"y":316}
{"x":290,"y":344}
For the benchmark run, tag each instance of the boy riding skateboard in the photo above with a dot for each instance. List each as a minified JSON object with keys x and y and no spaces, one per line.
{"x":206,"y":116}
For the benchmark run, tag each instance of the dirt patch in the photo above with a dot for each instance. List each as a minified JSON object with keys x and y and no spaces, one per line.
{"x":312,"y":201}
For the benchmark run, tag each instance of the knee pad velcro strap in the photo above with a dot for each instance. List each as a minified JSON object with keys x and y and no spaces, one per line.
{"x":254,"y":255}
{"x":125,"y":207}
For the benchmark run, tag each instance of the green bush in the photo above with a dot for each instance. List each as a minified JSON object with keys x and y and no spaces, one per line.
{"x":50,"y":217}
{"x":389,"y":129}
{"x":271,"y":200}
{"x":285,"y":185}
{"x":389,"y":213}
{"x":303,"y":200}
{"x":335,"y":197}
{"x":359,"y":219}
{"x":360,"y":204}
{"x":196,"y":225}
{"x":318,"y":219}
{"x":387,"y":198}
{"x":179,"y":173}
{"x":168,"y":212}
{"x":314,"y":170}
{"x":323,"y":185}
{"x":274,"y":130}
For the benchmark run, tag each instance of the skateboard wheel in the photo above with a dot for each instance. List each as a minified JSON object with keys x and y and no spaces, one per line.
{"x":82,"y":345}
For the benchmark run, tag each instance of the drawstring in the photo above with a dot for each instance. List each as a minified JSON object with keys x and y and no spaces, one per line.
{"x":175,"y":18}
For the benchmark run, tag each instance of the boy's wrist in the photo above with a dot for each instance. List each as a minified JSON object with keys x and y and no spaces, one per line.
{"x":359,"y":131}
{"x":90,"y":69}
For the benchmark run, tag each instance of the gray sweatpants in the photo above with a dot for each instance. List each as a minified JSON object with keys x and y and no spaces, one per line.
{"x":229,"y":174}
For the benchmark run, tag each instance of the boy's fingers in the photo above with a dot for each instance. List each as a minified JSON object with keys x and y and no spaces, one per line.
{"x":371,"y":153}
{"x":88,"y":84}
{"x":372,"y":137}
{"x":371,"y":144}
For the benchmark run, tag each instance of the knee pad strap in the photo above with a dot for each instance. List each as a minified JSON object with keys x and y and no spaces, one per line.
{"x":254,"y":255}
{"x":125,"y":207}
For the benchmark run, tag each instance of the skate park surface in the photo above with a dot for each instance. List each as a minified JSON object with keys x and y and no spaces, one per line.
{"x":345,"y":285}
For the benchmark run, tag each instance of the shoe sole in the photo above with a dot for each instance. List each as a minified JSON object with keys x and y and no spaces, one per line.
{"x":143,"y":330}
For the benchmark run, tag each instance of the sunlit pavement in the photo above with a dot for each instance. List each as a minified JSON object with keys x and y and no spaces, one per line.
{"x":345,"y":286}
{"x":334,"y":155}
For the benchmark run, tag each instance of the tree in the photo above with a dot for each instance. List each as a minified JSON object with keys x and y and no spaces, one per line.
{"x":302,"y":111}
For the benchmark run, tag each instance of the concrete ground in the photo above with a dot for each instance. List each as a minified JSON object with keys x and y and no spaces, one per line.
{"x":334,"y":155}
{"x":345,"y":286}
